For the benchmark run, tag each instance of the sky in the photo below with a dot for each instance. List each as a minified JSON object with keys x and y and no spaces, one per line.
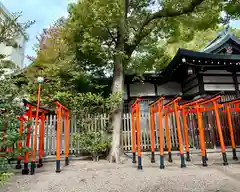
{"x":44,"y":12}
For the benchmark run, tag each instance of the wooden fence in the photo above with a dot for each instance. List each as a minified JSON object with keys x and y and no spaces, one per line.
{"x":98,"y":122}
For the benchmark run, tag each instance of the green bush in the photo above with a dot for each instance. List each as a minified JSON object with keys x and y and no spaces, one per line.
{"x":5,"y":169}
{"x":4,"y":177}
{"x":91,"y":142}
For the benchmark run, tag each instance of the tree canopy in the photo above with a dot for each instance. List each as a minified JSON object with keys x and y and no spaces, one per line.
{"x":93,"y":29}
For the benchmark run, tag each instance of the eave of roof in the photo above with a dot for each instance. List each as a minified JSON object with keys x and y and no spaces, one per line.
{"x":219,"y":41}
{"x":200,"y":58}
{"x":204,"y":55}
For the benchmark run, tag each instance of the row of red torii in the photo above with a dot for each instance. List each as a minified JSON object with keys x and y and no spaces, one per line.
{"x":179,"y":107}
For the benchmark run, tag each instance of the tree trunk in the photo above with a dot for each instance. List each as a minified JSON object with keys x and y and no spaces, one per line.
{"x":118,"y":86}
{"x":114,"y":155}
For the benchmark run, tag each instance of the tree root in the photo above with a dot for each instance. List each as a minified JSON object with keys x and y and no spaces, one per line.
{"x":115,"y":156}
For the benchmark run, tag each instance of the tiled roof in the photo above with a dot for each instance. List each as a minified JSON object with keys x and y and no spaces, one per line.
{"x":221,"y":39}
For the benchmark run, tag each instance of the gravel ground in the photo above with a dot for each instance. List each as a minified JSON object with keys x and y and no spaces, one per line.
{"x":86,"y":176}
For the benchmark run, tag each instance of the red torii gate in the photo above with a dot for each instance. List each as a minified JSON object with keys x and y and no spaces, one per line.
{"x":173,"y":106}
{"x":157,"y":106}
{"x":61,"y":111}
{"x":136,"y":109}
{"x":30,"y":115}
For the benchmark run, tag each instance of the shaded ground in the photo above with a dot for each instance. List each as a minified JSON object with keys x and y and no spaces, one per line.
{"x":84,"y":176}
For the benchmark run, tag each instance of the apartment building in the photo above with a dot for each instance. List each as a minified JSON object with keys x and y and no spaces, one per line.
{"x":16,"y":55}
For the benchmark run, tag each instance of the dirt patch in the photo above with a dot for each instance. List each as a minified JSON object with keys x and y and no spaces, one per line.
{"x":88,"y":176}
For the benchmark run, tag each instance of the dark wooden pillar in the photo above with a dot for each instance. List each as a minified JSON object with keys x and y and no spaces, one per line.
{"x":235,"y":81}
{"x":128,"y":91}
{"x":155,"y":89}
{"x":127,"y":107}
{"x":201,"y":84}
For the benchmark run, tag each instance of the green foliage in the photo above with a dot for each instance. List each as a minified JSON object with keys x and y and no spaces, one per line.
{"x":84,"y":104}
{"x":10,"y":98}
{"x":4,"y":177}
{"x":75,"y":51}
{"x":57,"y":64}
{"x":10,"y":28}
{"x":76,"y":86}
{"x":92,"y":142}
{"x":92,"y":33}
{"x":9,"y":124}
{"x":232,"y":9}
{"x":8,"y":64}
{"x":89,"y":103}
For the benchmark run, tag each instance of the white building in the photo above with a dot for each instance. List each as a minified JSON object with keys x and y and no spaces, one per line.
{"x":16,"y":55}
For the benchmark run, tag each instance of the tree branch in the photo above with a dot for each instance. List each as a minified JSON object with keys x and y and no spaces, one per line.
{"x":130,"y":48}
{"x":111,"y":35}
{"x":142,"y":32}
{"x":109,"y":32}
{"x":126,"y":8}
{"x":173,"y":13}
